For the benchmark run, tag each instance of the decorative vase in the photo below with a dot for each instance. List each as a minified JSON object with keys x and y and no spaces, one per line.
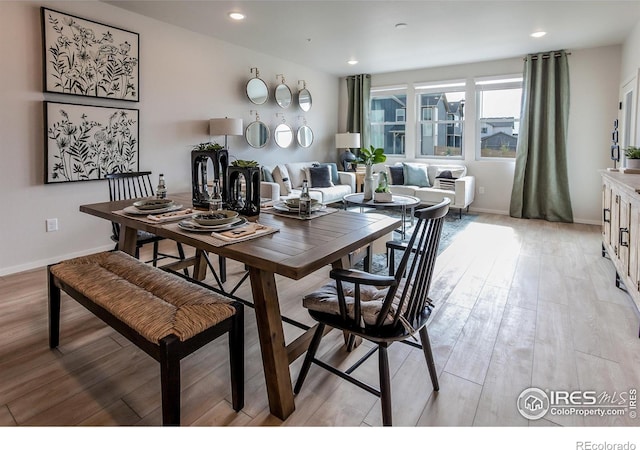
{"x":368,"y":182}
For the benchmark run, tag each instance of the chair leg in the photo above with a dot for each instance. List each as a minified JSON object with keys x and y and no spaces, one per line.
{"x":392,"y":262}
{"x":155,"y":254}
{"x":170,"y":380}
{"x":311,"y":353}
{"x":428,"y":355}
{"x":222,"y":264}
{"x":236,"y":357}
{"x":181,"y":253}
{"x":385,"y":385}
{"x":54,"y":311}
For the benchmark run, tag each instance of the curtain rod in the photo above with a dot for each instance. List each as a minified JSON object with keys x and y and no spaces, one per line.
{"x":547,"y":56}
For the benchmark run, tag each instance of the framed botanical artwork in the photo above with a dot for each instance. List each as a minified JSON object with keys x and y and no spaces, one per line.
{"x":82,"y":57}
{"x":85,"y":143}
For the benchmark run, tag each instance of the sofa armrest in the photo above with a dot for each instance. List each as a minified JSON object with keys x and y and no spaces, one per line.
{"x":270,"y":190}
{"x":348,"y":178}
{"x":465,"y":191}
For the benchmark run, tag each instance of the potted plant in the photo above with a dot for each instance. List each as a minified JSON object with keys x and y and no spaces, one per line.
{"x":382,"y":193}
{"x":369,"y":157}
{"x":633,"y":157}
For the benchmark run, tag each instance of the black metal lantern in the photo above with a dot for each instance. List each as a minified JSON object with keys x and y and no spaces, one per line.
{"x":199,"y":180}
{"x":244,"y":190}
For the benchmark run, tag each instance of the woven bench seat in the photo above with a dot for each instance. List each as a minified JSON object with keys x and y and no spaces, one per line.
{"x":163,"y":314}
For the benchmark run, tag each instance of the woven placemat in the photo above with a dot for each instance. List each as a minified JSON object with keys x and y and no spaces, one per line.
{"x":294,"y":215}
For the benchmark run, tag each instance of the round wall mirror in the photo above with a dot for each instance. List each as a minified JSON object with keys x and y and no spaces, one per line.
{"x":257,"y":91}
{"x":283,"y":135}
{"x":304,"y":136}
{"x":257,"y":134}
{"x":283,"y":95}
{"x":304,"y":99}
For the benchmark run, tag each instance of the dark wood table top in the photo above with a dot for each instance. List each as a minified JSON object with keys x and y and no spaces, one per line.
{"x":298,"y":249}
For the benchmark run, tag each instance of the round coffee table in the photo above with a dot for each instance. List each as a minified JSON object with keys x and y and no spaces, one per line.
{"x":403,"y":202}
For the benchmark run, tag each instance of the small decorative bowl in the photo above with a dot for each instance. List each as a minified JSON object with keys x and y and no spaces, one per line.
{"x":294,"y":202}
{"x":215,"y":218}
{"x":150,"y":204}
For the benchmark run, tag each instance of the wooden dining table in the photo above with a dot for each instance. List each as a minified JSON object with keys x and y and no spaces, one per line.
{"x":297,"y":249}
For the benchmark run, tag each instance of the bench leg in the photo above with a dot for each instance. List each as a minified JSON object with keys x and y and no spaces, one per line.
{"x":170,"y":380}
{"x":54,"y":310}
{"x":236,"y":357}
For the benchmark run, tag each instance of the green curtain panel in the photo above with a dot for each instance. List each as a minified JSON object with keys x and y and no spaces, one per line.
{"x":359,"y":95}
{"x":540,"y":183}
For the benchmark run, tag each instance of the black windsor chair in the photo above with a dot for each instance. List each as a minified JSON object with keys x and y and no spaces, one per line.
{"x":382,"y":309}
{"x":130,"y":185}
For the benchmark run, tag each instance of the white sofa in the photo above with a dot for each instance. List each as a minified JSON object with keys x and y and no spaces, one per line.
{"x":460,"y":189}
{"x":295,"y":173}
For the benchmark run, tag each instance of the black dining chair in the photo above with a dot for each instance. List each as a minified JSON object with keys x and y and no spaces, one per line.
{"x":130,"y":185}
{"x":381,"y":308}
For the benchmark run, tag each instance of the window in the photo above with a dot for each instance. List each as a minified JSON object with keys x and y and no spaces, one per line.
{"x":441,"y":124}
{"x":388,"y":119}
{"x":498,"y":102}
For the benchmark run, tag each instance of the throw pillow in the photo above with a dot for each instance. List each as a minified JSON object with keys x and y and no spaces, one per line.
{"x":333,"y":168}
{"x":319,"y":177}
{"x":415,"y":174}
{"x":396,"y":174}
{"x":266,"y":175}
{"x":281,"y":176}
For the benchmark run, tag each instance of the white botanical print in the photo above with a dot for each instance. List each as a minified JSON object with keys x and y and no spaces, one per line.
{"x":88,"y":142}
{"x":90,"y":59}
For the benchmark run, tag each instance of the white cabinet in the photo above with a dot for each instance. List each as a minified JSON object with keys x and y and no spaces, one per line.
{"x":621,"y":228}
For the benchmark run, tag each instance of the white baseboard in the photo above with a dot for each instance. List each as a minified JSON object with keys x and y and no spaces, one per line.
{"x":45,"y":262}
{"x":506,"y":213}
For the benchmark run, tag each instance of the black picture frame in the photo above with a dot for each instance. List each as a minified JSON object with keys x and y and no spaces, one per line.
{"x":84,"y":143}
{"x":87,"y":58}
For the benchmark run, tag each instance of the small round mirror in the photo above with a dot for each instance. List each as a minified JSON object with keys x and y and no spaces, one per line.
{"x":304,"y":136}
{"x":257,"y":134}
{"x":257,"y":91}
{"x":283,"y":135}
{"x":304,"y":99}
{"x":283,"y":95}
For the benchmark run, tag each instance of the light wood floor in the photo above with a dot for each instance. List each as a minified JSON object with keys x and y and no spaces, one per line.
{"x":520,"y":303}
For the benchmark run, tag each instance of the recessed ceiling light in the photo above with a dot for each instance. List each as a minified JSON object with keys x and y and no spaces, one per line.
{"x":236,"y":15}
{"x":401,"y":26}
{"x":352,"y":62}
{"x":538,"y":34}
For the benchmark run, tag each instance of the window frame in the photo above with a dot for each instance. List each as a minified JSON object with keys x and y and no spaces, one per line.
{"x":495,"y":83}
{"x":439,"y":87}
{"x":388,"y":91}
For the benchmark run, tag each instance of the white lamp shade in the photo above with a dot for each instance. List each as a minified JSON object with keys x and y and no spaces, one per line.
{"x":348,"y":140}
{"x":225,"y":127}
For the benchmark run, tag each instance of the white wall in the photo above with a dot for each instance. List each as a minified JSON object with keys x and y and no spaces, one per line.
{"x":185,"y":79}
{"x":594,"y":75}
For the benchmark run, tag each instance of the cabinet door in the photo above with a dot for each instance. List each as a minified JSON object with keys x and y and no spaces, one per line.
{"x":615,"y":223}
{"x":624,"y":233}
{"x":606,"y":213}
{"x":634,"y":238}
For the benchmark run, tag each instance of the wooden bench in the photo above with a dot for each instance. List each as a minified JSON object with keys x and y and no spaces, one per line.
{"x":166,"y":316}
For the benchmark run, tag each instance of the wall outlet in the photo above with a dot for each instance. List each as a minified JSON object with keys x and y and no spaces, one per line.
{"x":481,"y":190}
{"x":52,"y":225}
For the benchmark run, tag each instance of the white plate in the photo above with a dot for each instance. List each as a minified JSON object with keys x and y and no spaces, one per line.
{"x":191,"y":225}
{"x":133,"y":210}
{"x":283,"y":207}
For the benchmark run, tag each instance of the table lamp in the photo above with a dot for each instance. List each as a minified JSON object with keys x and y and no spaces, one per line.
{"x":348,"y":141}
{"x":225,"y":127}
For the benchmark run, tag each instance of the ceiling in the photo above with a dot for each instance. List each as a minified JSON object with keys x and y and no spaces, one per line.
{"x":325,"y":34}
